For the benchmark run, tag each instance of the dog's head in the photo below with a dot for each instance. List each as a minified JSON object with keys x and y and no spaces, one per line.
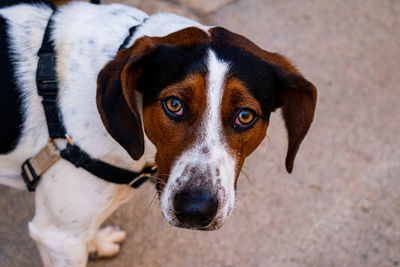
{"x":207,"y":99}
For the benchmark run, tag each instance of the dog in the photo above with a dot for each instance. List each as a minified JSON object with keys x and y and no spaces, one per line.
{"x":194,"y":99}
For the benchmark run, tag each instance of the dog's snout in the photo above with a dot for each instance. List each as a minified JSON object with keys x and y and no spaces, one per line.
{"x":195,"y":209}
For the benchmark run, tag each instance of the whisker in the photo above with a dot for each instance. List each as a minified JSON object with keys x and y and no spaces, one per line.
{"x":159,"y":181}
{"x":248,"y":177}
{"x":147,"y":209}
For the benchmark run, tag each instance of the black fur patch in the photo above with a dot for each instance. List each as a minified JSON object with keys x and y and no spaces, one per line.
{"x":11,"y":116}
{"x":5,"y":3}
{"x":169,"y":65}
{"x":260,"y":77}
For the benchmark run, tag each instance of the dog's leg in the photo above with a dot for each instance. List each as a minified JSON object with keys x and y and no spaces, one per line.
{"x":106,"y":242}
{"x":70,"y":206}
{"x":59,"y":248}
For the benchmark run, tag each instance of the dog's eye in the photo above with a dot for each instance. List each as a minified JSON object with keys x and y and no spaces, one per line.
{"x":173,"y":106}
{"x":245,"y":118}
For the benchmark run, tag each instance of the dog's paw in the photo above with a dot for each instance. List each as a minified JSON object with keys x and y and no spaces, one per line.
{"x":106,"y":243}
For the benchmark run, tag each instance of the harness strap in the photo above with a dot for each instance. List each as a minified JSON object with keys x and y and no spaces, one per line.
{"x":105,"y":171}
{"x":47,"y":87}
{"x":47,"y":84}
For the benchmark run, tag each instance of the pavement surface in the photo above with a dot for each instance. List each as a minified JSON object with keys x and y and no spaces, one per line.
{"x":340,"y":206}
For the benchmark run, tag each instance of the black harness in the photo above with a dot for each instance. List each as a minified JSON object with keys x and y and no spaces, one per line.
{"x":47,"y":88}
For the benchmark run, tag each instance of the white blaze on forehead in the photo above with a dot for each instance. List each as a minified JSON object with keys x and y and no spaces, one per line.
{"x":217,"y":71}
{"x":217,"y":163}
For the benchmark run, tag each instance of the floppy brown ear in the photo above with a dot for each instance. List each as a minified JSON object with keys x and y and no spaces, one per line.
{"x":298,"y":98}
{"x":116,"y":100}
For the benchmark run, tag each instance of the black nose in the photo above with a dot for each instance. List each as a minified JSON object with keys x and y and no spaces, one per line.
{"x":195,"y":209}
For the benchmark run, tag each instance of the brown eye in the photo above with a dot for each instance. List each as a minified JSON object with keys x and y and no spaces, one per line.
{"x":174,"y":107}
{"x":245,"y":117}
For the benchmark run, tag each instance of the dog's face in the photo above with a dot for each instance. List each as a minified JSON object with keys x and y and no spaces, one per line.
{"x":207,"y":98}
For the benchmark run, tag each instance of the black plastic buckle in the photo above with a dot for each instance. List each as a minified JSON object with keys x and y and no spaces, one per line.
{"x":30,"y":176}
{"x":47,"y":88}
{"x":46,"y":77}
{"x":46,"y":66}
{"x":146,"y":174}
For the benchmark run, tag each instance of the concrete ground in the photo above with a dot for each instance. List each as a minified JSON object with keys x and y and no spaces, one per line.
{"x":341,"y":205}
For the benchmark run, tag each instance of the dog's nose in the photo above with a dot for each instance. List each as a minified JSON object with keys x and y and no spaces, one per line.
{"x":195,"y":209}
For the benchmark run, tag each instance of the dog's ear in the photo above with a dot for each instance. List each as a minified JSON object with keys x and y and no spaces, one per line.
{"x":116,"y":101}
{"x":297,"y":97}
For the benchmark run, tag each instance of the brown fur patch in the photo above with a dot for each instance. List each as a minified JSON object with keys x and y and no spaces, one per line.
{"x":185,"y":37}
{"x":121,"y":119}
{"x":170,"y":137}
{"x":237,"y":96}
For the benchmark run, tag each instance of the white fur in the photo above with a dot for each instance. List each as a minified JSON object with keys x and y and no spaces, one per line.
{"x":162,"y":24}
{"x":106,"y":242}
{"x":211,"y":137}
{"x":71,"y":204}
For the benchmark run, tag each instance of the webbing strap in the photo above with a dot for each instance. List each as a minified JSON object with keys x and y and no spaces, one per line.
{"x":104,"y":170}
{"x":47,"y":84}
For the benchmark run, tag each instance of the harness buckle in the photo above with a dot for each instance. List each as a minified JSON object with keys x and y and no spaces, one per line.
{"x":46,"y":76}
{"x":46,"y":88}
{"x":31,"y":178}
{"x":34,"y":167}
